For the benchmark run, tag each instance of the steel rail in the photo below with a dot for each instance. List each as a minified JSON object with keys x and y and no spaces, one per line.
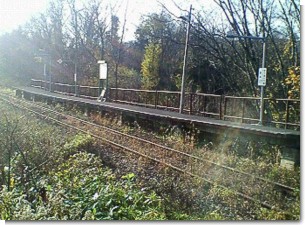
{"x":277,"y":184}
{"x":264,"y":204}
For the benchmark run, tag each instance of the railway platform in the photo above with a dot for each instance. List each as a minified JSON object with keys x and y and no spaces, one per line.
{"x":225,"y":129}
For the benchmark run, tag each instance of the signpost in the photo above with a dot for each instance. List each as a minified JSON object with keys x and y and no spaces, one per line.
{"x":103,"y":81}
{"x":262,"y":73}
{"x":60,"y":61}
{"x":262,"y":76}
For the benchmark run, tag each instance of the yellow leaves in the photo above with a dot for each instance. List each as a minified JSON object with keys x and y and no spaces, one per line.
{"x":277,"y":68}
{"x":150,"y":66}
{"x":12,"y":182}
{"x":287,"y":49}
{"x":293,"y":81}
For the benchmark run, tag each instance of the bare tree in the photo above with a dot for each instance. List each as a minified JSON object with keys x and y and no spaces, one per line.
{"x":119,"y":51}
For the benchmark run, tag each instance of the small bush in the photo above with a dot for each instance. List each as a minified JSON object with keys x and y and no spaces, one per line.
{"x":80,"y":189}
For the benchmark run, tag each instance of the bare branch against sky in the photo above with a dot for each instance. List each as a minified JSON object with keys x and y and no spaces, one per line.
{"x":14,"y":13}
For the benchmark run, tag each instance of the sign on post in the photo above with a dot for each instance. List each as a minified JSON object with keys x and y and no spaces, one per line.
{"x":262,"y":76}
{"x":103,"y":70}
{"x":38,"y":59}
{"x":103,"y":78}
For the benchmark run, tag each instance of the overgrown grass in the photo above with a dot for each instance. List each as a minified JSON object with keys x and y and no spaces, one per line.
{"x":47,"y":175}
{"x":41,"y":167}
{"x":81,"y":189}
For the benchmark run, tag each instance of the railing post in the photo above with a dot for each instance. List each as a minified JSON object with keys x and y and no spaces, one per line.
{"x":130,"y":96}
{"x":220,"y":107}
{"x":287,"y":113}
{"x":110,"y":94}
{"x":116,"y":94}
{"x":199,"y":104}
{"x":225,"y":108}
{"x":243,"y":110}
{"x":133,"y":96}
{"x":204,"y":104}
{"x":179,"y":97}
{"x":156,"y":98}
{"x":166,"y":100}
{"x":191,"y":103}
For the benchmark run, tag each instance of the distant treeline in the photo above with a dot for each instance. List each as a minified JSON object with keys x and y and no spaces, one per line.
{"x":66,"y":35}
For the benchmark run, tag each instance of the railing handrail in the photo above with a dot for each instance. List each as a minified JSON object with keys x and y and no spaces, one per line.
{"x":197,"y":103}
{"x":178,"y":92}
{"x":240,"y":97}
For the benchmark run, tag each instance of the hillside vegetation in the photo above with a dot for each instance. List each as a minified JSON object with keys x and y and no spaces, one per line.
{"x":49,"y":172}
{"x":153,"y":59}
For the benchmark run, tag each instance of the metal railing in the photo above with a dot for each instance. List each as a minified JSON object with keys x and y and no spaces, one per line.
{"x":281,"y":113}
{"x":195,"y":104}
{"x":67,"y":89}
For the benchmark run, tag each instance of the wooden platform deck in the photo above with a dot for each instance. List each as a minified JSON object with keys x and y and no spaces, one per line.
{"x":289,"y":138}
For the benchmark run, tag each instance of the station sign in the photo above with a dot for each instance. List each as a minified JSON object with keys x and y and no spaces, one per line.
{"x":103,"y":69}
{"x":262,"y":76}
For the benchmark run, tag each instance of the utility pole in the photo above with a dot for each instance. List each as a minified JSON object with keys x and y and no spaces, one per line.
{"x":261,"y":74}
{"x":50,"y":75}
{"x":45,"y":75}
{"x":185,"y":61}
{"x":261,"y":112}
{"x":44,"y":57}
{"x":76,"y":55}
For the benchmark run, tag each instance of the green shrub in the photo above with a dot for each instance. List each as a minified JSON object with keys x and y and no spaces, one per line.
{"x":80,"y":189}
{"x":91,"y":192}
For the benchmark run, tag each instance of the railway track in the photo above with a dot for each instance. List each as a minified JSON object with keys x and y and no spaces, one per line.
{"x":245,"y":185}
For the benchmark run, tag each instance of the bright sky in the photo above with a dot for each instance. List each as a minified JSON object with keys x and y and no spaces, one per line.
{"x":17,"y":12}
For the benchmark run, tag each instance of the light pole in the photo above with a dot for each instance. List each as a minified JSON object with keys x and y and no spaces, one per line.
{"x":76,"y":50}
{"x":261,"y":113}
{"x":76,"y":54}
{"x":45,"y":74}
{"x":185,"y":61}
{"x":44,"y":56}
{"x":261,"y":74}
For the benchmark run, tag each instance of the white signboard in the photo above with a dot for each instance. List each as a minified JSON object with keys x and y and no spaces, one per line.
{"x":103,"y":70}
{"x":262,"y":76}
